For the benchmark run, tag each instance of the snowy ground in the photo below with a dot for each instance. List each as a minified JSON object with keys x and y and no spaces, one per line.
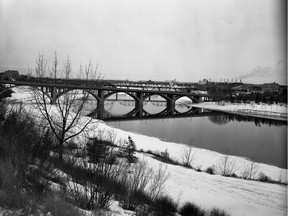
{"x":236,"y":196}
{"x":273,"y":111}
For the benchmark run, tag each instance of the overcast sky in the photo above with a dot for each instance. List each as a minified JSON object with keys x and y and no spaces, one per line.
{"x":186,"y":40}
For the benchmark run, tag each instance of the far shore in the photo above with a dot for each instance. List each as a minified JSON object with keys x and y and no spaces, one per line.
{"x":273,"y":111}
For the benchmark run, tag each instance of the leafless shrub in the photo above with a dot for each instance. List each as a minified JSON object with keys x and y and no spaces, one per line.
{"x":210,"y":170}
{"x":226,"y":166}
{"x":137,"y":178}
{"x":250,"y":170}
{"x":282,"y":178}
{"x":145,"y":185}
{"x":188,"y":156}
{"x":263,"y":177}
{"x":58,"y":207}
{"x":108,"y":135}
{"x":103,"y":178}
{"x":141,"y":174}
{"x":165,"y":154}
{"x":157,"y":186}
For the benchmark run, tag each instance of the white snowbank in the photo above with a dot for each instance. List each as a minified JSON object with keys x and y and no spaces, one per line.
{"x":236,"y":196}
{"x":273,"y":111}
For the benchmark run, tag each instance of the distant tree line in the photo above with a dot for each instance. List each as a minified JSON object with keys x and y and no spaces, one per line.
{"x":258,"y":97}
{"x":226,"y":93}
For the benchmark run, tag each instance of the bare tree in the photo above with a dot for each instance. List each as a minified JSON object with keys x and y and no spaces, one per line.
{"x":80,"y":74}
{"x":41,"y":65}
{"x":91,"y":72}
{"x":226,"y":166}
{"x":53,"y":73}
{"x":67,"y":69}
{"x":29,"y":70}
{"x":64,"y":118}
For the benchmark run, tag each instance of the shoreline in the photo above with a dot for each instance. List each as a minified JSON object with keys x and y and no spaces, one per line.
{"x":274,"y":112}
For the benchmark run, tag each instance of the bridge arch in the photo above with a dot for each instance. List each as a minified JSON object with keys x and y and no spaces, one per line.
{"x":115,"y":92}
{"x":69,"y":90}
{"x":152,"y":94}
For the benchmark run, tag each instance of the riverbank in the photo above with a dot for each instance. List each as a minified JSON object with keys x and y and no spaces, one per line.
{"x":274,"y":111}
{"x":234,"y":195}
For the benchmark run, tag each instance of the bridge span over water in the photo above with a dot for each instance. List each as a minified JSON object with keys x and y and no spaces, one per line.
{"x":101,"y":92}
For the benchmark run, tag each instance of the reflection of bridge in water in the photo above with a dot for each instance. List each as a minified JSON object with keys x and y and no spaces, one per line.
{"x":142,"y":114}
{"x":130,"y":103}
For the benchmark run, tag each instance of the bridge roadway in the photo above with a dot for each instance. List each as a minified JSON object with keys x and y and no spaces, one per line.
{"x":103,"y":92}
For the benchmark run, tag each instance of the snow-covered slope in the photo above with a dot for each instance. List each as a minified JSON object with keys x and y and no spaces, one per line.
{"x":236,"y":196}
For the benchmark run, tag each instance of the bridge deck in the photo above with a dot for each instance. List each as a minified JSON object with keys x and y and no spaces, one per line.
{"x":159,"y":90}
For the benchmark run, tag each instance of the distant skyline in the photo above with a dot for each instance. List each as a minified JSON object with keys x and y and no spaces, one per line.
{"x":186,"y":40}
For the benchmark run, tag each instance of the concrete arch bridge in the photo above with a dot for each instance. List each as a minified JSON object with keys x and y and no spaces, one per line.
{"x":101,"y":93}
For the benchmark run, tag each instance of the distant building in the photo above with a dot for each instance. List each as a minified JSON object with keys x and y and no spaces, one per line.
{"x":203,"y":82}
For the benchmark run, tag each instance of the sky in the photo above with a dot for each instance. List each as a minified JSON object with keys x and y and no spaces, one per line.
{"x":186,"y":40}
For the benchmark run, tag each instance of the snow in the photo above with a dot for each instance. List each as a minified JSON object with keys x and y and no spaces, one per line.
{"x":273,"y":111}
{"x":235,"y":196}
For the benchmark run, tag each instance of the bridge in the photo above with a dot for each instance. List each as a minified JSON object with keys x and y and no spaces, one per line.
{"x":102,"y":90}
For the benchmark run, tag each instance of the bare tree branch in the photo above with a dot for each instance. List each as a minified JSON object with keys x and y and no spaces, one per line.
{"x":64,"y":117}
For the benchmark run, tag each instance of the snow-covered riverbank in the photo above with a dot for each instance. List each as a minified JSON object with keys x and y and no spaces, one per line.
{"x":236,"y":196}
{"x":273,"y":111}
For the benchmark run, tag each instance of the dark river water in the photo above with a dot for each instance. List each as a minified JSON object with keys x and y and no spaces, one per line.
{"x":258,"y":139}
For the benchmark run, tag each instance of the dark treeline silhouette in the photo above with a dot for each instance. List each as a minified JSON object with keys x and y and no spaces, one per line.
{"x":261,"y":97}
{"x":224,"y":118}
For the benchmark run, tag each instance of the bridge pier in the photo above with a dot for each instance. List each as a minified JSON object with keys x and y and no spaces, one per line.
{"x":171,"y":104}
{"x":139,"y":104}
{"x":53,"y":94}
{"x":100,"y":101}
{"x":139,"y":100}
{"x":100,"y":104}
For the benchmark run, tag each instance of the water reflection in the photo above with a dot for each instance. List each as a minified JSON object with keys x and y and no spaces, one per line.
{"x":220,"y":118}
{"x":262,"y":140}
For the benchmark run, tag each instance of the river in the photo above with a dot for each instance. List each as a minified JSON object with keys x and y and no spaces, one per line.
{"x":261,"y":140}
